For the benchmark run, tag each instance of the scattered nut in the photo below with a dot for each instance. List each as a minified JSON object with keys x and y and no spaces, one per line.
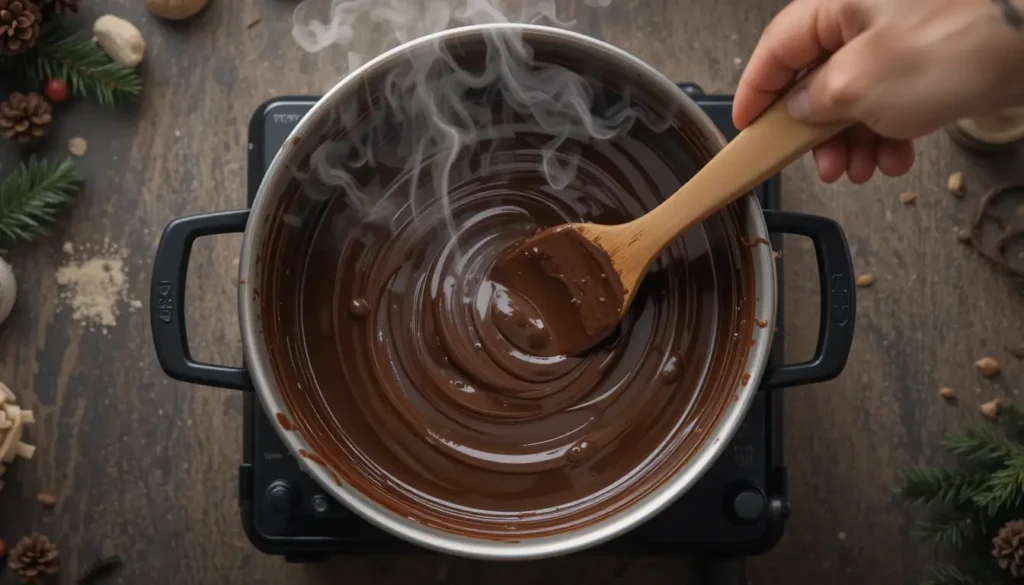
{"x":865,"y":280}
{"x":990,"y":410}
{"x":987,"y":367}
{"x":955,"y":184}
{"x":175,"y":9}
{"x":947,"y":393}
{"x":78,"y":146}
{"x":907,"y":197}
{"x":46,"y":500}
{"x":120,"y":39}
{"x":964,"y":235}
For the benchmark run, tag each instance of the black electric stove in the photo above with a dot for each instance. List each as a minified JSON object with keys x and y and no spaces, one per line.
{"x":737,"y":509}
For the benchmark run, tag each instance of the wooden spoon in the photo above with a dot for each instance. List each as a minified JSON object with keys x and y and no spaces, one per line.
{"x":576,"y":255}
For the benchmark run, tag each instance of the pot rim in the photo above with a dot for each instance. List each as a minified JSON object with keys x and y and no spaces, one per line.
{"x":257,"y":359}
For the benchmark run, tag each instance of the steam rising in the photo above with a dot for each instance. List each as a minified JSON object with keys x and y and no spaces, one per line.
{"x":432,"y":109}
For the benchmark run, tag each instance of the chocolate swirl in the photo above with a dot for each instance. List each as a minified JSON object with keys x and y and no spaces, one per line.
{"x":389,"y":348}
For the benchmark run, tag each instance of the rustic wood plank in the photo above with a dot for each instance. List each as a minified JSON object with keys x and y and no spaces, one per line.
{"x":146,"y":467}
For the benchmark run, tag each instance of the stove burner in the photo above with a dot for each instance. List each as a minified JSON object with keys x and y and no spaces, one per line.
{"x":737,"y":509}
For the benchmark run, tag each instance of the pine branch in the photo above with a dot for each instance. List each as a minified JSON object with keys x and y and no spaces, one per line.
{"x":1011,"y":419}
{"x":949,"y":529}
{"x":31,"y":196}
{"x":955,"y":487}
{"x":1004,"y":489}
{"x":983,"y":447}
{"x":942,"y":574}
{"x":87,"y":69}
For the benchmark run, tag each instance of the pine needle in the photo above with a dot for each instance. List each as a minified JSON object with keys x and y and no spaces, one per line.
{"x":949,"y":575}
{"x":982,"y":446}
{"x":87,"y":69}
{"x":955,"y":487}
{"x":1004,"y":489}
{"x":949,"y":529}
{"x":31,"y":196}
{"x":98,"y":568}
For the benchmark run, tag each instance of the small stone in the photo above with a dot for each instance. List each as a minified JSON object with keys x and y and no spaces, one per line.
{"x":963,"y":235}
{"x":987,"y":366}
{"x":955,"y":184}
{"x":737,"y":61}
{"x":908,"y":197}
{"x":990,"y":410}
{"x":865,"y":280}
{"x":947,"y":393}
{"x":78,"y":146}
{"x":46,"y":500}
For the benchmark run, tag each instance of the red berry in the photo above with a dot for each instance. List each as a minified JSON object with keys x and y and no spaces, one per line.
{"x":56,"y":90}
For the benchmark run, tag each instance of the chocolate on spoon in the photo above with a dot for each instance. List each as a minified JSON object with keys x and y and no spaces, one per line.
{"x":568,"y":287}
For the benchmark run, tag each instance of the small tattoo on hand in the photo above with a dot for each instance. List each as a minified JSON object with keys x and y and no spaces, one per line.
{"x":1011,"y":14}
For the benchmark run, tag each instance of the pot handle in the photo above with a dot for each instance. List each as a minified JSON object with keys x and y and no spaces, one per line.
{"x":838,"y":299}
{"x":167,"y":299}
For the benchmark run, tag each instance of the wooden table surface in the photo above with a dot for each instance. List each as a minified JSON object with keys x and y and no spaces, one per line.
{"x":147,"y":468}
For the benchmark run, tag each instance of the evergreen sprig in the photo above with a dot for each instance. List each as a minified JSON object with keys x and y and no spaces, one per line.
{"x":968,"y":500}
{"x":31,"y":196}
{"x":949,"y":529}
{"x":954,"y":487}
{"x":943,"y":574}
{"x":87,"y":69}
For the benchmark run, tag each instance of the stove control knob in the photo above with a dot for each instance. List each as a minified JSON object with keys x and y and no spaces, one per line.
{"x":747,"y":504}
{"x":281,"y":497}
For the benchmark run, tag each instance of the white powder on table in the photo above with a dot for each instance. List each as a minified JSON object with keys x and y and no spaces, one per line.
{"x":95,"y":286}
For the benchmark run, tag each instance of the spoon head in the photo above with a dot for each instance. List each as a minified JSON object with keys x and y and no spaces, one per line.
{"x":563,"y":284}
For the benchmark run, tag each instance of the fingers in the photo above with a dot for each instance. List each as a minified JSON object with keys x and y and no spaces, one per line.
{"x":895,"y":157}
{"x":861,"y":144}
{"x":797,"y":37}
{"x":858,"y":152}
{"x":831,"y":158}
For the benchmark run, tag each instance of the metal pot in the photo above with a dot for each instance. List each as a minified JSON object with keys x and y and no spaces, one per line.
{"x":574,"y":51}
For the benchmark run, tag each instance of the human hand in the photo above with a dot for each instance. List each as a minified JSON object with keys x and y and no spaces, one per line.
{"x":897,"y":69}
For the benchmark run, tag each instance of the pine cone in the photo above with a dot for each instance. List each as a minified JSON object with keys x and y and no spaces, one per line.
{"x":19,"y":26}
{"x":1008,"y":547}
{"x":25,"y":118}
{"x":59,"y":7}
{"x":34,"y":557}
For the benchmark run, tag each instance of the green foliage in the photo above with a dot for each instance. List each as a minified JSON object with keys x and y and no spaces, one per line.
{"x":87,"y":69}
{"x":943,"y":574}
{"x":966,"y":502}
{"x":72,"y":56}
{"x":31,"y":196}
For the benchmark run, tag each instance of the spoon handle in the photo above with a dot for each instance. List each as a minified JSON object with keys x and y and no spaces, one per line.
{"x":761,"y":150}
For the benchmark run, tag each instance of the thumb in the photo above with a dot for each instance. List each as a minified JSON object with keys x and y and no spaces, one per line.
{"x":826,"y":94}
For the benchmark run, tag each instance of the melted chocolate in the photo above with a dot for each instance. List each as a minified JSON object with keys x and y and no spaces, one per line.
{"x":391,"y":354}
{"x":557,"y":293}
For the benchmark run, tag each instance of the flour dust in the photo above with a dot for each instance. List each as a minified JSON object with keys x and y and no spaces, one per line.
{"x":94,"y":284}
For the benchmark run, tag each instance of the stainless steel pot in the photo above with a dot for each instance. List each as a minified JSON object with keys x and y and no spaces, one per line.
{"x":575,"y":50}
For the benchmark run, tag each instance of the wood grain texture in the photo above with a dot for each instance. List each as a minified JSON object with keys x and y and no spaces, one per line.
{"x":146,"y":467}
